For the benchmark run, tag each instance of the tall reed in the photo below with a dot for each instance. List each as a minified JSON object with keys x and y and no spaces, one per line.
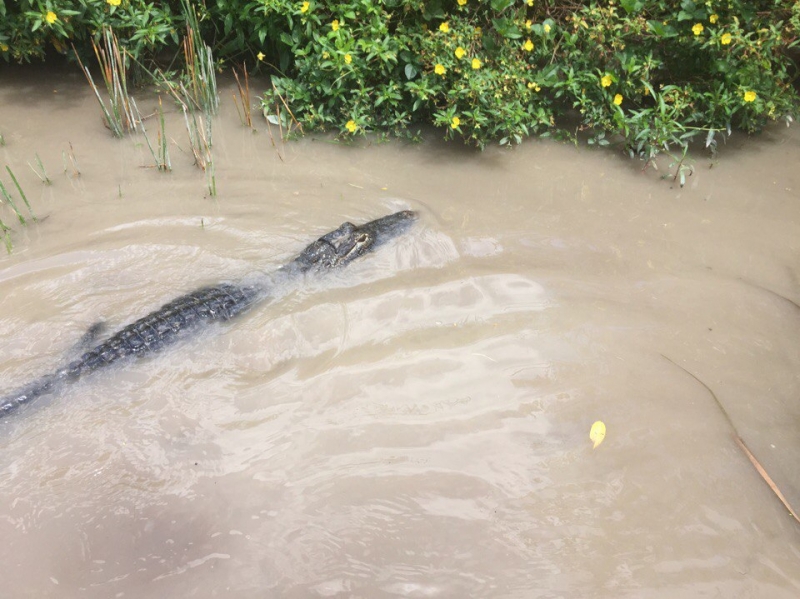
{"x":161,"y":153}
{"x":244,"y":93}
{"x":119,"y":113}
{"x":200,"y":74}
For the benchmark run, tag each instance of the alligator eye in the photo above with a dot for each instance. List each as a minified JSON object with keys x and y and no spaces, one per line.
{"x":363,"y":238}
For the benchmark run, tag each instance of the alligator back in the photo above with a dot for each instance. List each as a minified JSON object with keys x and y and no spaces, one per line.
{"x":219,"y":303}
{"x":147,"y":335}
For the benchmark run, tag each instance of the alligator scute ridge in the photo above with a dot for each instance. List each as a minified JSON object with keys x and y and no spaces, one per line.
{"x":218,"y":303}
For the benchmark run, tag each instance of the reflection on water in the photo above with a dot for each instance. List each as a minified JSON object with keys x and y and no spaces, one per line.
{"x":416,"y":425}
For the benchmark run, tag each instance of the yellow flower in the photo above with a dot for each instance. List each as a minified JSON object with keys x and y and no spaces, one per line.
{"x":546,"y":28}
{"x":51,"y":17}
{"x":460,"y":52}
{"x":260,"y":56}
{"x":528,"y":45}
{"x":528,"y":24}
{"x":335,"y":25}
{"x":444,"y":27}
{"x":530,"y":2}
{"x":439,"y":69}
{"x":725,"y":39}
{"x":114,"y":2}
{"x":455,"y":122}
{"x":605,"y":80}
{"x":749,"y":96}
{"x":305,"y":7}
{"x":534,"y":86}
{"x":326,"y":55}
{"x":476,"y":63}
{"x":348,"y":59}
{"x":462,"y":2}
{"x":3,"y":47}
{"x":713,"y":19}
{"x":351,"y":126}
{"x":618,"y":99}
{"x":697,"y":29}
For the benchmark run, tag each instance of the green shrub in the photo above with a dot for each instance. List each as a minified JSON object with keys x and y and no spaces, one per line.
{"x":28,"y":27}
{"x":650,"y":73}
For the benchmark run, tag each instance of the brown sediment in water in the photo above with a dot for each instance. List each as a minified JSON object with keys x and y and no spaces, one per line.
{"x":416,"y":425}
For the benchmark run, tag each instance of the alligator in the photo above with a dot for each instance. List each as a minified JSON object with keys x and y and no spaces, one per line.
{"x":218,"y":303}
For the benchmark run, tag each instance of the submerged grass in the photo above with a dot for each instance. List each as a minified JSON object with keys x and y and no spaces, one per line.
{"x":4,"y":231}
{"x":10,"y":201}
{"x":43,"y":175}
{"x":76,"y":172}
{"x":21,"y":193}
{"x":7,"y":198}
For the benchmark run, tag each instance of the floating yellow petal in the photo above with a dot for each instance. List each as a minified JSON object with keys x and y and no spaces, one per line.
{"x":51,"y":17}
{"x":597,"y":433}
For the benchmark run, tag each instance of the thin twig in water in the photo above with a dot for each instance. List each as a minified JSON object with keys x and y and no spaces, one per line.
{"x":740,"y":442}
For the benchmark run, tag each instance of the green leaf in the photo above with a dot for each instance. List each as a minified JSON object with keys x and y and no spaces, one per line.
{"x":501,"y":5}
{"x":632,"y":6}
{"x":507,"y":28}
{"x":410,"y":71}
{"x":662,"y":30}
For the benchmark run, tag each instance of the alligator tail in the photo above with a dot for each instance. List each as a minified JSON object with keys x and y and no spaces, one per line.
{"x":24,"y":395}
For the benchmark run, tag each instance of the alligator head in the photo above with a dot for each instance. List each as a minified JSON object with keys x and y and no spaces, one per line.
{"x":348,"y":242}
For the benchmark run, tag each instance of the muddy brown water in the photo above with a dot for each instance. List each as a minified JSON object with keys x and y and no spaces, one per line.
{"x":417,"y":425}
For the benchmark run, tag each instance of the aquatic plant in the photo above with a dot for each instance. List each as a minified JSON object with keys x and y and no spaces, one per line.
{"x":76,"y":172}
{"x":9,"y":199}
{"x":199,"y":64}
{"x":21,"y":192}
{"x":244,"y":93}
{"x":5,"y":232}
{"x":43,"y":174}
{"x":161,"y":155}
{"x":119,"y":115}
